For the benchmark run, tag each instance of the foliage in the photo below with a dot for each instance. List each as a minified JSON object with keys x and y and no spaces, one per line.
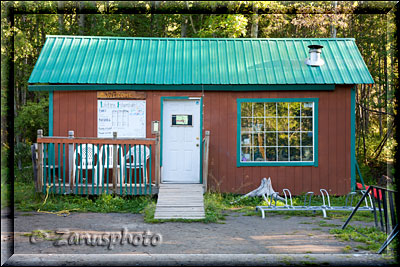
{"x":26,"y":199}
{"x":31,"y":117}
{"x":372,"y":237}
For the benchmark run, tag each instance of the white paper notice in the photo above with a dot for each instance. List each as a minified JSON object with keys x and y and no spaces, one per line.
{"x":126,"y":117}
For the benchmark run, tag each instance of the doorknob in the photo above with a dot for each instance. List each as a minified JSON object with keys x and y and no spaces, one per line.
{"x":197,"y":145}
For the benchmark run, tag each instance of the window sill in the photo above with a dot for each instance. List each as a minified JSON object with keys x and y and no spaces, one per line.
{"x":266,"y":164}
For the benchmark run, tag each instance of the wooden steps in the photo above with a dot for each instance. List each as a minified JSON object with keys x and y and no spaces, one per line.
{"x":180,"y":201}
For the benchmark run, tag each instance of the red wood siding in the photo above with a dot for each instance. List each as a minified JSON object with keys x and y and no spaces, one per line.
{"x":77,"y":110}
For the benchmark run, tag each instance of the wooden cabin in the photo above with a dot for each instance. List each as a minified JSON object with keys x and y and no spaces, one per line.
{"x":279,"y":108}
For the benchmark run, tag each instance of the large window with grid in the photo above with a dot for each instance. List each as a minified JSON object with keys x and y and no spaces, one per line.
{"x":277,"y":132}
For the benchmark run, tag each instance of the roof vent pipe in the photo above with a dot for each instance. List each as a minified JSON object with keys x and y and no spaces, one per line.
{"x":315,"y":59}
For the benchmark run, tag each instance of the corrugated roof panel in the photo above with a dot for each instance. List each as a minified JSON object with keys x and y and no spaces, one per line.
{"x":258,"y":63}
{"x":89,"y":57}
{"x":329,"y":60}
{"x":205,"y":59}
{"x":270,"y":74}
{"x":320,"y":72}
{"x":48,"y":66}
{"x":196,"y":69}
{"x":186,"y":61}
{"x":158,"y":78}
{"x":78,"y":65}
{"x":126,"y":60}
{"x":295,"y":61}
{"x":327,"y":75}
{"x":302,"y":54}
{"x":60,"y":62}
{"x":43,"y":56}
{"x":240,"y":67}
{"x":115,"y":62}
{"x":356,"y":57}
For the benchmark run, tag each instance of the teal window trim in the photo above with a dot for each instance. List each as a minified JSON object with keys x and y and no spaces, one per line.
{"x":201,"y":129}
{"x":353,"y":139}
{"x":263,"y":163}
{"x":182,"y":87}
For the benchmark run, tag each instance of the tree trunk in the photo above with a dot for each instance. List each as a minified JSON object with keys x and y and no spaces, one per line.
{"x":254,"y":22}
{"x":61,"y":26}
{"x":81,"y":17}
{"x":191,"y":19}
{"x":184,"y":26}
{"x":333,"y":27}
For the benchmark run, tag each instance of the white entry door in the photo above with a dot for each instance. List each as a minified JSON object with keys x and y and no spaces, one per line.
{"x":181,"y":141}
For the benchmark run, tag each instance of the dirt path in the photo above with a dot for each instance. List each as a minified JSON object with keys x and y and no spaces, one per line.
{"x":239,"y":234}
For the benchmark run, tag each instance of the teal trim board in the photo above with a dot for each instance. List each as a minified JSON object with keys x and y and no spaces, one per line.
{"x":353,"y":138}
{"x":201,"y":127}
{"x":274,"y":163}
{"x":201,"y":140}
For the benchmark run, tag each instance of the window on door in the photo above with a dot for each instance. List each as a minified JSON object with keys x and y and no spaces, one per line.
{"x":277,"y":132}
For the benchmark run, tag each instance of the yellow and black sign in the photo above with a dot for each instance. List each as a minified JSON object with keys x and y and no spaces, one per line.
{"x":121,"y":95}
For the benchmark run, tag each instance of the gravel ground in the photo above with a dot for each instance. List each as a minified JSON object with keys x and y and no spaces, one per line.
{"x":239,"y":234}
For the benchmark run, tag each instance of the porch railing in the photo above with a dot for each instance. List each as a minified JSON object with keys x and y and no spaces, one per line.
{"x":206,"y":149}
{"x":70,"y":165}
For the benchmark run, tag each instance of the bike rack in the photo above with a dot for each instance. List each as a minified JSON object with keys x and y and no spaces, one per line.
{"x":326,"y":204}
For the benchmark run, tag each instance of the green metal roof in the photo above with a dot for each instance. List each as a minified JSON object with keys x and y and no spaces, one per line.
{"x":194,"y":61}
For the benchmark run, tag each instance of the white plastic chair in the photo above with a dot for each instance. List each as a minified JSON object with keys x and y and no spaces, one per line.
{"x":138,"y":160}
{"x":86,"y":162}
{"x":106,"y":152}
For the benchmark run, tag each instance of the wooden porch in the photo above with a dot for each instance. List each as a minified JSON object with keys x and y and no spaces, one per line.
{"x":93,"y":166}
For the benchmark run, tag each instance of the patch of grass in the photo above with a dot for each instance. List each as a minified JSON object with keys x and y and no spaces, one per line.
{"x":347,"y":248}
{"x":5,"y":193}
{"x":287,"y":260}
{"x":309,"y":257}
{"x":372,"y":237}
{"x":323,"y":223}
{"x":26,"y":199}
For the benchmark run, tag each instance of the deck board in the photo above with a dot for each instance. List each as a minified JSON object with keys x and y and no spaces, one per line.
{"x":180,"y":201}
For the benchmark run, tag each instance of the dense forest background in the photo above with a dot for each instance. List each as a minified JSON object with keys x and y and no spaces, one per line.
{"x":26,"y":24}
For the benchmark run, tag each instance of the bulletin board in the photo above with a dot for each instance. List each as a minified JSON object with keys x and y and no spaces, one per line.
{"x":126,"y":117}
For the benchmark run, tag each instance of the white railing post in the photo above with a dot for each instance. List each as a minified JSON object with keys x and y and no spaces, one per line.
{"x":39,"y":182}
{"x":205,"y":158}
{"x":157,"y":160}
{"x":71,"y":160}
{"x":115,"y":163}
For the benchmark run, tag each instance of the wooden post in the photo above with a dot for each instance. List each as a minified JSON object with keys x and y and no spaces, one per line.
{"x":115,"y":163}
{"x":71,"y":161}
{"x":205,"y":158}
{"x":39,"y":182}
{"x":157,"y":160}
